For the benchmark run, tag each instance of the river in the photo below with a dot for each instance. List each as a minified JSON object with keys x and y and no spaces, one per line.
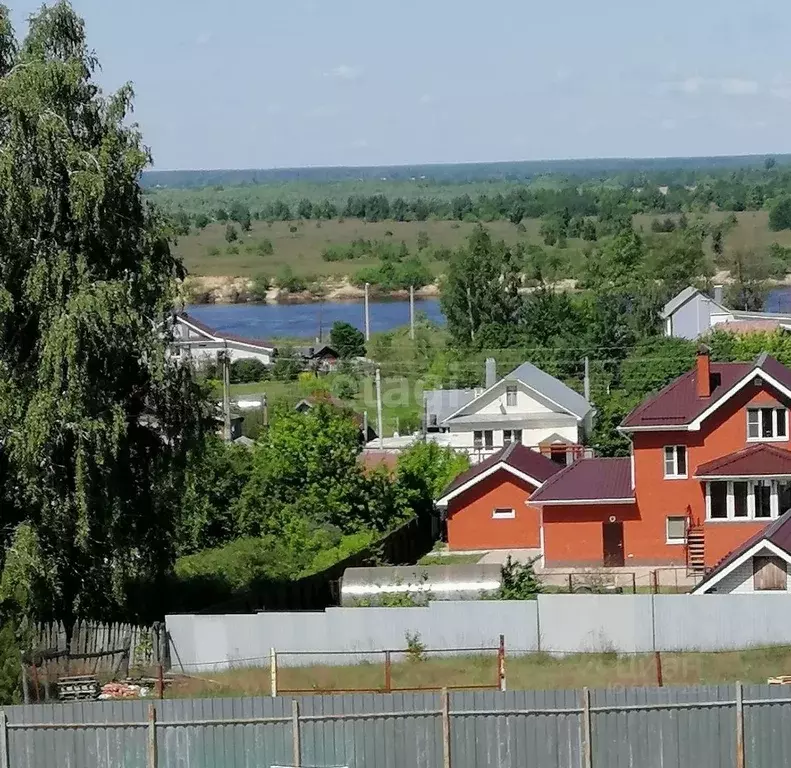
{"x":302,"y":321}
{"x":266,"y":321}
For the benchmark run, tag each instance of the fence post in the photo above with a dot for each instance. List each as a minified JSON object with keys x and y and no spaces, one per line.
{"x":739,"y":725}
{"x":587,"y":752}
{"x":658,"y":665}
{"x":388,"y":673}
{"x":445,"y":728}
{"x":273,"y":672}
{"x":161,"y":680}
{"x":152,"y":737}
{"x":297,"y":750}
{"x":501,"y":664}
{"x":5,"y":759}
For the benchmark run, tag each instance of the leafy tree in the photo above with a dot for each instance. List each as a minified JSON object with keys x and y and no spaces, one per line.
{"x":201,"y":221}
{"x":617,"y":263}
{"x":769,"y":163}
{"x":216,"y":477}
{"x":95,"y":420}
{"x":481,"y":287}
{"x":424,"y":470}
{"x":399,"y":209}
{"x":750,"y":271}
{"x":231,"y":235}
{"x":289,"y":282}
{"x":304,"y":209}
{"x":677,"y":260}
{"x":240,"y":213}
{"x":265,"y":247}
{"x":588,"y":230}
{"x":287,"y":365}
{"x":780,"y":214}
{"x":221,"y":215}
{"x":260,"y":287}
{"x":10,"y":677}
{"x":280,"y":211}
{"x":516,"y":213}
{"x":423,"y":240}
{"x":181,"y":223}
{"x":461,"y":206}
{"x":347,"y":340}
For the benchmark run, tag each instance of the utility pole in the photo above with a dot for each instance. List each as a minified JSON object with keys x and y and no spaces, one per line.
{"x":226,"y":395}
{"x":412,"y":312}
{"x":264,"y":411}
{"x":587,"y":382}
{"x":379,"y":424}
{"x":367,"y":317}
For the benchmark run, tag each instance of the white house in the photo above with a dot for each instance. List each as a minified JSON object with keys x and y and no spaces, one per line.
{"x":692,"y":314}
{"x":201,"y":344}
{"x":761,"y":565}
{"x":527,"y":406}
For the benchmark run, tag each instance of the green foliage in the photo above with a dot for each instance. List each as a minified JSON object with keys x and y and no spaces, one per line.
{"x":231,"y":234}
{"x":424,"y":470}
{"x":217,"y":474}
{"x":519,"y":581}
{"x":415,"y":648}
{"x":260,"y":287}
{"x":201,"y":221}
{"x":264,"y":247}
{"x":248,"y":370}
{"x":289,"y":282}
{"x":347,"y":340}
{"x":780,"y":214}
{"x":287,"y":365}
{"x":95,"y":420}
{"x":10,"y":669}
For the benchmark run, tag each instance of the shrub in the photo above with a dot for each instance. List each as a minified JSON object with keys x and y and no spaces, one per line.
{"x":231,"y":235}
{"x":232,"y":250}
{"x":247,"y":371}
{"x":213,"y":251}
{"x":260,"y":287}
{"x":519,"y":581}
{"x":289,"y":282}
{"x":264,"y":247}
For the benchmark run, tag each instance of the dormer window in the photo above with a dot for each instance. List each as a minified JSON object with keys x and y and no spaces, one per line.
{"x":510,"y":395}
{"x":767,"y":423}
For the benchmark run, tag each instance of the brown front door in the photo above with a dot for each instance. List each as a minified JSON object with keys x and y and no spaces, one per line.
{"x":612,"y":534}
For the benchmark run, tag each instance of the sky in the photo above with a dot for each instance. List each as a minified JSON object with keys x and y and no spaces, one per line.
{"x":262,"y":84}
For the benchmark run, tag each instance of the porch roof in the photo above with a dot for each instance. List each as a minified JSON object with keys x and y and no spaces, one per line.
{"x":760,"y":460}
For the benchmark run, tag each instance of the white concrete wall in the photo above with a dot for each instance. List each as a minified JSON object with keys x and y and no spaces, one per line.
{"x":206,"y":351}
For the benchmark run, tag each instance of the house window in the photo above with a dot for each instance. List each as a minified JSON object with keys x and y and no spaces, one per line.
{"x":740,"y":508}
{"x":763,"y":499}
{"x":767,"y":423}
{"x":675,"y":461}
{"x":769,"y":574}
{"x":512,"y":435}
{"x":504,"y":514}
{"x":718,"y":501}
{"x":488,"y":439}
{"x":676,"y":529}
{"x":477,"y":439}
{"x":783,"y":496}
{"x":510,"y":395}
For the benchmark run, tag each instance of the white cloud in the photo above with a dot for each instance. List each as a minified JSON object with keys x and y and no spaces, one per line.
{"x":690,"y":85}
{"x":360,"y":144}
{"x":781,"y":91}
{"x":736,"y":86}
{"x":668,"y":124}
{"x":426,"y":98}
{"x":344,"y":72}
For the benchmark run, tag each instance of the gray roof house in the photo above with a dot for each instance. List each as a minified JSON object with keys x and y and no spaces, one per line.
{"x":527,"y":406}
{"x":692,"y":314}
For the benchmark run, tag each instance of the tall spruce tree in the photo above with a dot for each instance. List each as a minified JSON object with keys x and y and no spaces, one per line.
{"x":95,"y":420}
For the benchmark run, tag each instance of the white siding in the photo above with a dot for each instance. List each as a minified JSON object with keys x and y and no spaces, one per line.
{"x":495,"y":402}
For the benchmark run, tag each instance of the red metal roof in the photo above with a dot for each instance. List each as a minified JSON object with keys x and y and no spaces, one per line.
{"x":589,"y":480}
{"x":678,"y":403}
{"x":778,"y":533}
{"x":753,"y":461}
{"x":516,"y":455}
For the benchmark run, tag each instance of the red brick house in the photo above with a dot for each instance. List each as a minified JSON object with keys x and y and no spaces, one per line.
{"x":710,"y":467}
{"x":487,"y":507}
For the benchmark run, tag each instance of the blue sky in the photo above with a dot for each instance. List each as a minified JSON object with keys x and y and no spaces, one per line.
{"x":258,"y":83}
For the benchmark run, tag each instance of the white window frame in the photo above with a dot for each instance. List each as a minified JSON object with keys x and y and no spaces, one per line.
{"x":668,"y":539}
{"x":511,"y":389}
{"x":511,"y":435}
{"x":501,"y":513}
{"x":775,"y":438}
{"x":774,"y":500}
{"x":675,"y":475}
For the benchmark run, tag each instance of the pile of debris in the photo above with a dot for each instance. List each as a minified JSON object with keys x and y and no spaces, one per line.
{"x":123,"y":691}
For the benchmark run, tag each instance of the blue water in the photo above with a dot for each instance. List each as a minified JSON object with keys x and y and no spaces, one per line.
{"x":266,"y":321}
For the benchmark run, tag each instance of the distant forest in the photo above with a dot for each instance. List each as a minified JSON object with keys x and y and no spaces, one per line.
{"x":663,"y":170}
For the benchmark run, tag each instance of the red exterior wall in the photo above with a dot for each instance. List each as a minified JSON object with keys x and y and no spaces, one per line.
{"x":573,"y":534}
{"x":470,"y":522}
{"x":657,"y":498}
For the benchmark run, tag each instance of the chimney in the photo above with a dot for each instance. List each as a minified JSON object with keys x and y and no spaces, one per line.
{"x":718,"y":295}
{"x":704,"y":371}
{"x":491,"y":372}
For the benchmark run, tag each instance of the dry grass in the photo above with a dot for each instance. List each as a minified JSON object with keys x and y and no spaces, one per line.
{"x":537,"y":671}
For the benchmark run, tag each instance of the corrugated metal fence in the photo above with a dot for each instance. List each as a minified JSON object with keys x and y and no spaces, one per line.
{"x":709,"y":727}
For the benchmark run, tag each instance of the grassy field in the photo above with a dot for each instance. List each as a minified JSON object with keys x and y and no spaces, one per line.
{"x":537,"y":671}
{"x":401,"y":399}
{"x":301,"y":250}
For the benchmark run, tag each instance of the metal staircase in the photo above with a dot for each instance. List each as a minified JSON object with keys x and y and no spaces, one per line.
{"x":696,"y":551}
